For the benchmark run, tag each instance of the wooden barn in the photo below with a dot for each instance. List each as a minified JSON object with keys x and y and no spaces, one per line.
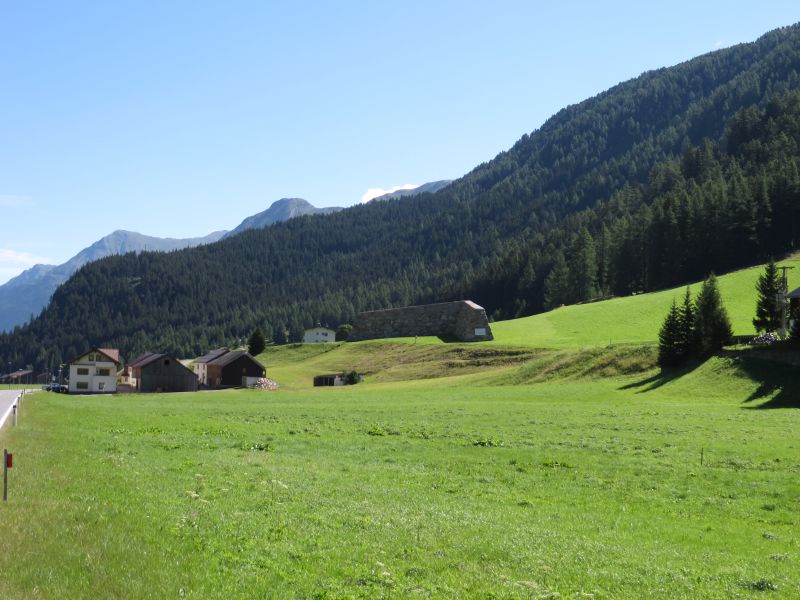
{"x":152,"y":372}
{"x":233,"y":369}
{"x":200,"y":365}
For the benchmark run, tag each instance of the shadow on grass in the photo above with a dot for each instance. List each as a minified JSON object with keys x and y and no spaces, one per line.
{"x":450,"y":339}
{"x":661,"y":378}
{"x":775,"y":370}
{"x":778,"y":383}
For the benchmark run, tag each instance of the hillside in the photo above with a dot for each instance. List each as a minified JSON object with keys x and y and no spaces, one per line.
{"x":608,"y":338}
{"x":632,"y":319}
{"x":28,"y":293}
{"x":698,"y":161}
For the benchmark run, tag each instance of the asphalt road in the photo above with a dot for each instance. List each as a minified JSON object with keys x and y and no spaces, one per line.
{"x":7,"y":398}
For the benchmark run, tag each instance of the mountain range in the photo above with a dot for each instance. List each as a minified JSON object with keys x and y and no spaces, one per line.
{"x":679,"y":171}
{"x":433,"y":186}
{"x":281,"y":210}
{"x":25,"y":295}
{"x":652,"y":183}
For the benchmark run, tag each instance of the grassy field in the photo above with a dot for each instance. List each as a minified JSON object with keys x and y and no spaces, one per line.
{"x":633,"y":319}
{"x":546,"y":464}
{"x":455,"y":487}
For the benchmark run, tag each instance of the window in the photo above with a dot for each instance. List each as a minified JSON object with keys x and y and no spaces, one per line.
{"x":83,"y":371}
{"x":82,"y":385}
{"x":166,"y":362}
{"x":104,"y":372}
{"x":101,"y":386}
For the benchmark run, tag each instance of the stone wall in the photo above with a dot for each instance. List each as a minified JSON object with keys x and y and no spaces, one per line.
{"x":463,"y":320}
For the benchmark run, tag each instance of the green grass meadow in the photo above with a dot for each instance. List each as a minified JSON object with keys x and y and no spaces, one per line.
{"x":633,"y":319}
{"x":536,"y":466}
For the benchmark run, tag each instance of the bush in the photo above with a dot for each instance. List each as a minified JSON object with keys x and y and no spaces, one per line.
{"x":353,"y":378}
{"x":257,"y":342}
{"x":343,"y":332}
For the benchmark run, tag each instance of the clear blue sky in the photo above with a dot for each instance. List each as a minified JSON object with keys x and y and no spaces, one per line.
{"x":180,"y":118}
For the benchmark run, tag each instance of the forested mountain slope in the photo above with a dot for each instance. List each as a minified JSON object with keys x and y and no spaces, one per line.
{"x":591,"y":172}
{"x":28,"y":293}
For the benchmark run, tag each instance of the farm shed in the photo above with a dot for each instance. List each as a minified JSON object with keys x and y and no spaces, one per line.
{"x":161,"y":373}
{"x":18,"y":377}
{"x":332,"y":379}
{"x":233,"y":369}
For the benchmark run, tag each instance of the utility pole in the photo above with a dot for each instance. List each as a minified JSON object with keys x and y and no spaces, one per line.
{"x":781,"y":299}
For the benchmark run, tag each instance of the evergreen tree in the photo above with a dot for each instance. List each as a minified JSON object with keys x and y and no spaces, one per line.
{"x":669,"y":339}
{"x":257,"y":342}
{"x":556,"y":283}
{"x":583,"y":267}
{"x":712,"y":328}
{"x":686,"y":314}
{"x":604,"y":246}
{"x":768,"y":309}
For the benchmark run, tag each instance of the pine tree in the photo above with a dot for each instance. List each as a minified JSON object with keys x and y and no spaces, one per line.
{"x":257,"y":342}
{"x":556,"y":284}
{"x":768,"y":286}
{"x":604,"y":248}
{"x":668,"y":339}
{"x":686,"y":315}
{"x":712,"y":328}
{"x":583,"y":267}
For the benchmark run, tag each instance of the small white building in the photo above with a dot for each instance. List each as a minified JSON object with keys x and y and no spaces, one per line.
{"x":317,"y":335}
{"x":94,"y":372}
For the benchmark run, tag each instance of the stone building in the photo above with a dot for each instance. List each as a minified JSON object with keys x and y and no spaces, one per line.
{"x":462,"y":321}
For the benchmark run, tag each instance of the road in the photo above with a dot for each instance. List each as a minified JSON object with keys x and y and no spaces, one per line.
{"x":7,"y":398}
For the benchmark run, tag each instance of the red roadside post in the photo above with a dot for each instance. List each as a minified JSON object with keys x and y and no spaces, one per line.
{"x":7,"y":463}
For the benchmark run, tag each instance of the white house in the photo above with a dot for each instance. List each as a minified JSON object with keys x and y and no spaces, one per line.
{"x":319,"y":334}
{"x":94,"y":372}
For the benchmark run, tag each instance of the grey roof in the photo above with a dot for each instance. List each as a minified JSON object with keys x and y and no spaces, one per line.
{"x":794,"y":294}
{"x":19,"y":374}
{"x":141,"y":358}
{"x":145,"y":359}
{"x":207,"y":358}
{"x":228,"y":358}
{"x":148,"y":358}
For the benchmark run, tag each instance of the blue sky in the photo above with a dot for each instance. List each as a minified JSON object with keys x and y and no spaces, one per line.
{"x":181,"y":118}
